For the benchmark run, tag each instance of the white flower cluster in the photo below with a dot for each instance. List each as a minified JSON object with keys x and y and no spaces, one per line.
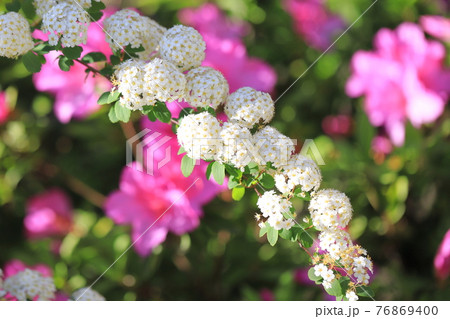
{"x":127,"y":27}
{"x":299,"y":171}
{"x":274,"y":207}
{"x":15,"y":35}
{"x":43,"y":6}
{"x":183,"y":46}
{"x":330,"y":209}
{"x":249,"y":107}
{"x":327,"y":274}
{"x":143,"y":83}
{"x":67,"y":22}
{"x":237,"y":147}
{"x":335,"y":242}
{"x":30,"y":284}
{"x":206,"y":87}
{"x":87,"y":294}
{"x":199,"y":135}
{"x":273,"y":147}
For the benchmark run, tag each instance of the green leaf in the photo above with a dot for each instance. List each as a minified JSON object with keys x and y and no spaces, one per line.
{"x":93,"y":57}
{"x":187,"y":165}
{"x":313,"y":277}
{"x":181,"y":150}
{"x":151,"y":116}
{"x":344,"y":283}
{"x":114,"y":59}
{"x":263,"y":231}
{"x":232,"y":183}
{"x":31,"y":62}
{"x":292,"y":234}
{"x":162,"y":113}
{"x":28,"y":9}
{"x":238,"y":192}
{"x":185,"y":111}
{"x":218,"y":171}
{"x":335,"y":289}
{"x":64,"y":63}
{"x":113,"y":96}
{"x":252,"y":168}
{"x":267,"y":181}
{"x":365,"y":291}
{"x":233,"y":171}
{"x":13,"y":6}
{"x":43,"y":48}
{"x":103,"y":99}
{"x":306,"y":239}
{"x":112,"y":115}
{"x":122,"y":113}
{"x":97,"y":6}
{"x":107,"y":71}
{"x":72,"y":53}
{"x":209,"y":170}
{"x":272,"y":235}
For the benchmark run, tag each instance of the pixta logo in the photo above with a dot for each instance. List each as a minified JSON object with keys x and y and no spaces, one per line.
{"x":149,"y":144}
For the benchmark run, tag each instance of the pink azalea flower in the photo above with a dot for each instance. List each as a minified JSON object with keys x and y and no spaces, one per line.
{"x":314,"y":22}
{"x":48,"y":214}
{"x":442,"y":259}
{"x":339,"y":125}
{"x":75,"y":93}
{"x":14,"y":266}
{"x":162,"y":202}
{"x":266,"y":295}
{"x":226,"y":52}
{"x":4,"y":108}
{"x":402,"y":79}
{"x":382,"y":145}
{"x":209,"y":19}
{"x":437,"y":26}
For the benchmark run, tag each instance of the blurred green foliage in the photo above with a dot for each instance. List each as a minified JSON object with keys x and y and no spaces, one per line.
{"x":400,"y":202}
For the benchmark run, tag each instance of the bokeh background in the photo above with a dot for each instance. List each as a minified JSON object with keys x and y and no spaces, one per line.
{"x":400,"y":196}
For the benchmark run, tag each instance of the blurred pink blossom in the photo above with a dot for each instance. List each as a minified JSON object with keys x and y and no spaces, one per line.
{"x":75,"y":93}
{"x":162,"y":202}
{"x":14,"y":266}
{"x":442,"y":259}
{"x":48,"y":214}
{"x":301,"y":277}
{"x":266,"y":295}
{"x":337,"y":125}
{"x":226,"y":52}
{"x":209,"y":19}
{"x":382,"y":145}
{"x":437,"y":26}
{"x":4,"y":108}
{"x":402,"y":79}
{"x":314,"y":22}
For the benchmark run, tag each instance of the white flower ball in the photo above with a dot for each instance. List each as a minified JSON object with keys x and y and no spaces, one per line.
{"x":183,"y":46}
{"x":237,"y":145}
{"x":66,"y":22}
{"x":206,"y":87}
{"x":163,"y":82}
{"x":330,"y":209}
{"x":129,"y":77}
{"x":248,"y":107}
{"x":28,"y":284}
{"x":15,"y":35}
{"x":199,"y":135}
{"x":273,"y":147}
{"x":299,"y":171}
{"x":127,"y":27}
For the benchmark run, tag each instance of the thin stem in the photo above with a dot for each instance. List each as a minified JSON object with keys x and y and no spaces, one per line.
{"x":306,"y":250}
{"x":92,"y":69}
